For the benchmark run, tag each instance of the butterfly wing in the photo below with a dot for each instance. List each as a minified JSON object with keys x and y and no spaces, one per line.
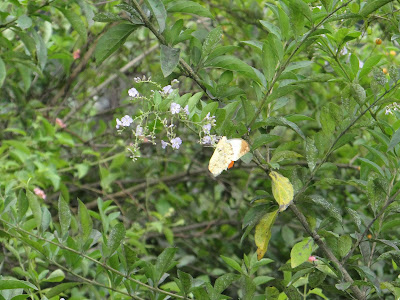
{"x":221,"y":157}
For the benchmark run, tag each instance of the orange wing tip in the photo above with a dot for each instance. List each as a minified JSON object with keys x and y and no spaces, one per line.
{"x":231,"y":164}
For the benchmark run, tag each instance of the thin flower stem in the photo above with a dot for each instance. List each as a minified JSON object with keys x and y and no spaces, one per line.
{"x":105,"y":266}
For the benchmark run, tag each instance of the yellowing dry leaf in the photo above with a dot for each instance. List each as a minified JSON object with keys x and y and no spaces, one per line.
{"x":282,"y":190}
{"x":225,"y":153}
{"x":263,"y":233}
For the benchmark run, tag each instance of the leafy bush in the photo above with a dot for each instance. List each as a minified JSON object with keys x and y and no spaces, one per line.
{"x":110,"y":113}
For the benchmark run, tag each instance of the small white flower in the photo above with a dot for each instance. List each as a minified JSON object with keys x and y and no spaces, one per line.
{"x":186,"y":109}
{"x":388,"y":110}
{"x":206,"y":140}
{"x":126,"y":121}
{"x":139,"y":130}
{"x":344,"y":51}
{"x":207,"y":128}
{"x":167,"y":90}
{"x":164,"y":144}
{"x":361,"y":64}
{"x":176,"y":143}
{"x":133,"y":93}
{"x":174,"y":81}
{"x":136,"y":79}
{"x":175,"y":108}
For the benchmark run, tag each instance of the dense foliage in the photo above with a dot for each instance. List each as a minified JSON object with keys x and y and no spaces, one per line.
{"x":111,"y":110}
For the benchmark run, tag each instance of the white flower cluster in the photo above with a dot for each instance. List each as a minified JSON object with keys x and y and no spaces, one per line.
{"x":209,"y":122}
{"x":392,"y":107}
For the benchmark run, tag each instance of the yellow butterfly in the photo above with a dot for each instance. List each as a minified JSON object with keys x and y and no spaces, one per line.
{"x":227,"y":152}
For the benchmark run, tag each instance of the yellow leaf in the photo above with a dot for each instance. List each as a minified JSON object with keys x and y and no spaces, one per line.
{"x":282,"y":190}
{"x":263,"y":233}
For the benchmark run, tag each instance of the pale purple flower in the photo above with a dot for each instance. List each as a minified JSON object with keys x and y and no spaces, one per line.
{"x":164,"y":144}
{"x":126,"y":121}
{"x":133,"y":93}
{"x":167,"y":90}
{"x":210,"y":118}
{"x":119,"y":123}
{"x":207,"y":128}
{"x":186,"y":109}
{"x":176,"y":143}
{"x":206,"y":140}
{"x":139,"y":130}
{"x":175,"y":108}
{"x":361,"y":64}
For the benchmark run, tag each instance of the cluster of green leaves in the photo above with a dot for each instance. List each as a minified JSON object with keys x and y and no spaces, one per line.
{"x":303,"y":82}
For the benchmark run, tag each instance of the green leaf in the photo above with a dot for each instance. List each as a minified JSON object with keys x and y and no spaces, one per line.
{"x":311,"y":153}
{"x":285,"y":154}
{"x":232,"y":263}
{"x":263,"y":139}
{"x":344,"y":140}
{"x":284,"y":122}
{"x":186,"y":281}
{"x":192,"y":102}
{"x":22,"y":204}
{"x":112,"y":40}
{"x":369,"y":64}
{"x":301,"y":252}
{"x":24,"y":22}
{"x":34,"y":204}
{"x":344,"y":245}
{"x":85,"y":221}
{"x":56,"y":276}
{"x":64,"y":215}
{"x":298,"y":65}
{"x":58,"y":289}
{"x":355,"y":216}
{"x":395,"y":140}
{"x":372,"y":6}
{"x":282,"y":91}
{"x":329,"y":207}
{"x":372,"y":165}
{"x":76,"y":22}
{"x":107,"y":17}
{"x":159,"y":12}
{"x":115,"y":238}
{"x":211,"y":41}
{"x":269,"y":58}
{"x":224,"y":281}
{"x":354,"y":63}
{"x":10,"y":284}
{"x":164,"y":262}
{"x":343,"y":286}
{"x":377,"y":153}
{"x":272,"y":28}
{"x":190,"y":7}
{"x":232,"y":63}
{"x":41,"y":50}
{"x":209,"y":108}
{"x":169,"y":59}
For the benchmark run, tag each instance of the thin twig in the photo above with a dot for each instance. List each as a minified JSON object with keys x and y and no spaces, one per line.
{"x":105,"y":266}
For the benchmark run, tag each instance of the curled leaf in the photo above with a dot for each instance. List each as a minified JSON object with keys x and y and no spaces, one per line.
{"x":282,"y":190}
